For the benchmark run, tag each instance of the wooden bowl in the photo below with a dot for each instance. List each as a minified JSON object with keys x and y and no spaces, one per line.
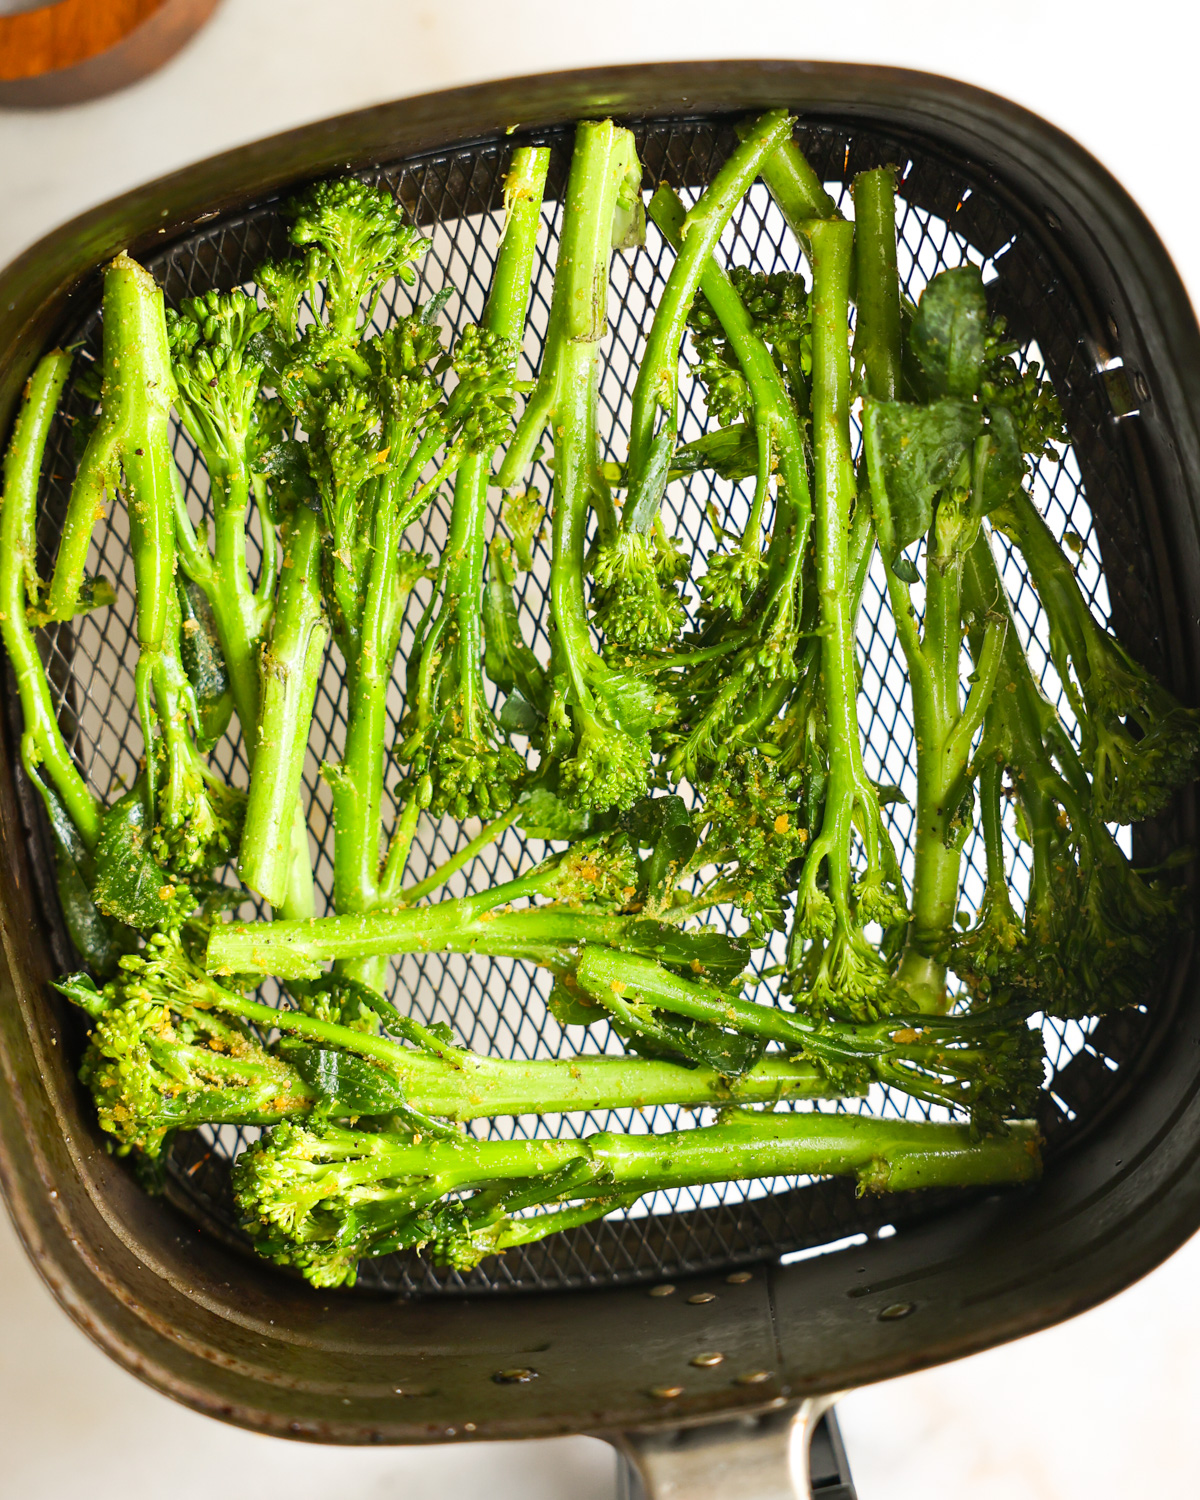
{"x":74,"y":50}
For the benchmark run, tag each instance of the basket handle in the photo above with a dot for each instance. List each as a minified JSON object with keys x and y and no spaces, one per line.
{"x":795,"y":1453}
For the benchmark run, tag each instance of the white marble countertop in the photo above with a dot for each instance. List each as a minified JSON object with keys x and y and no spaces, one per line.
{"x":1101,"y":1406}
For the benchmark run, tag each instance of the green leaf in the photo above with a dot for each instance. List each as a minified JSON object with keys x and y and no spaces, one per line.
{"x":949,"y":330}
{"x":358,"y":1086}
{"x":650,"y":1033}
{"x":204,"y":663}
{"x":569,"y":1009}
{"x":912,"y":453}
{"x":82,"y":990}
{"x":646,"y":489}
{"x":130,"y":884}
{"x":665,"y":827}
{"x":544,"y":815}
{"x":731,"y":452}
{"x":701,"y":953}
{"x":888,"y":794}
{"x":518,"y":716}
{"x":1005,"y":469}
{"x":629,"y":700}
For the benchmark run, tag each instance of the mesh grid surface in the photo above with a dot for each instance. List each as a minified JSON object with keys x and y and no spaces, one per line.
{"x":944,"y":218}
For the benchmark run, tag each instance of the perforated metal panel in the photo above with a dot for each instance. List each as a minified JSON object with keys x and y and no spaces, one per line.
{"x":944,"y":219}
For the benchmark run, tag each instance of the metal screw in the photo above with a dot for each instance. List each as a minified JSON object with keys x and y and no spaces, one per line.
{"x":701,"y":1297}
{"x":707,"y":1361}
{"x":521,"y":1376}
{"x":739,"y":1278}
{"x":897,"y":1310}
{"x":752,"y":1377}
{"x":666,"y":1290}
{"x":666,"y":1392}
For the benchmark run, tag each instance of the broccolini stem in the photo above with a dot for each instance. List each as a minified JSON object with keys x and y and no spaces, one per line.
{"x":884,"y":1155}
{"x":545,"y":935}
{"x":848,"y":790}
{"x":137,"y":390}
{"x":944,"y":731}
{"x":1050,"y":773}
{"x":796,"y":188}
{"x":579,"y":319}
{"x":991,"y":818}
{"x":1073,"y":623}
{"x":238,"y":614}
{"x":504,"y":315}
{"x":697,"y":237}
{"x":458,"y":1084}
{"x":604,"y":166}
{"x":42,"y":743}
{"x":877,"y":329}
{"x":291,"y":669}
{"x":135,"y":322}
{"x":133,"y":317}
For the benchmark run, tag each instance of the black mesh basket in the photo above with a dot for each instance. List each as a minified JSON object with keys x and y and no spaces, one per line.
{"x":170,"y":1286}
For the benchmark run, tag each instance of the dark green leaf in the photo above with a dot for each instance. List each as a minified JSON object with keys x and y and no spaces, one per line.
{"x":1005,"y":469}
{"x":698,"y":953}
{"x":646,"y":489}
{"x":81,"y":990}
{"x":650,"y":1033}
{"x":949,"y":330}
{"x":912,"y":453}
{"x":204,"y":663}
{"x":507,"y":660}
{"x":569,"y":1009}
{"x":544,"y":815}
{"x":731,"y":452}
{"x":889,"y":794}
{"x":130,"y":885}
{"x":518,"y":716}
{"x":358,"y":1086}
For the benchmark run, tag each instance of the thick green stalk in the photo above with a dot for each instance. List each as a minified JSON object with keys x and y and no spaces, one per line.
{"x":454,"y":1083}
{"x":42,"y":747}
{"x":142,"y":389}
{"x":240,"y":613}
{"x":291,"y":669}
{"x":136,"y":396}
{"x":658,"y":376}
{"x":797,"y":190}
{"x":945,"y":728}
{"x":877,"y":329}
{"x":603,"y":167}
{"x":504,"y":315}
{"x":545,"y":935}
{"x":884,"y":1156}
{"x":578,"y":323}
{"x":848,"y":786}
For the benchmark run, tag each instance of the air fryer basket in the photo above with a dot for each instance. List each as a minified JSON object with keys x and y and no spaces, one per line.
{"x":418,"y":1352}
